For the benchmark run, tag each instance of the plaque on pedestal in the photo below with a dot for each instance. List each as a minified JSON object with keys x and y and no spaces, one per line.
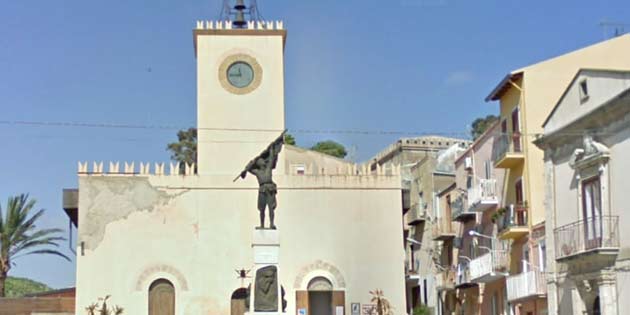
{"x":266,"y":292}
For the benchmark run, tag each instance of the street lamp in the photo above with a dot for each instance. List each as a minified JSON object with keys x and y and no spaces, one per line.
{"x":474,"y":233}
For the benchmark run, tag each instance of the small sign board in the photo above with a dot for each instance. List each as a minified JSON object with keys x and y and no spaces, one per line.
{"x":355,"y":308}
{"x":339,"y":310}
{"x":302,"y":311}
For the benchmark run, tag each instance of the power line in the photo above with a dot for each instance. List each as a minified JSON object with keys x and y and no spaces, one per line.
{"x":175,"y":127}
{"x":463,"y":134}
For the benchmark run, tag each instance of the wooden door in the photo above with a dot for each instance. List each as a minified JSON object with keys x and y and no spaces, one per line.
{"x":161,"y":298}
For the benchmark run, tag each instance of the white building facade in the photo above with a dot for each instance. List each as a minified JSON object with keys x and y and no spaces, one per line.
{"x":587,"y":149}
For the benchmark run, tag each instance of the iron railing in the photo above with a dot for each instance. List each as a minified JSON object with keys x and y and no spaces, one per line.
{"x":443,"y":227}
{"x":514,"y":216}
{"x":586,"y":235}
{"x":507,"y":144}
{"x":416,"y":213}
{"x":458,"y":208}
{"x":462,"y":276}
{"x":526,"y":284}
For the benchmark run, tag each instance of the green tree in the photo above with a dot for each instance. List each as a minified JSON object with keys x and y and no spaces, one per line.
{"x":480,"y":125}
{"x":331,"y":148}
{"x":289,"y":139}
{"x":184,"y":150}
{"x":19,"y":235}
{"x":18,"y":287}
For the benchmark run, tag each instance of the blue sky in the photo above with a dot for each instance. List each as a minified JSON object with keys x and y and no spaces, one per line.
{"x":402,"y":65}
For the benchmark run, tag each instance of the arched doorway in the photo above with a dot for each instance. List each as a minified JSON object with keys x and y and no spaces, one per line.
{"x":596,"y":308}
{"x":161,"y":298}
{"x":238,"y":304}
{"x":320,"y":296}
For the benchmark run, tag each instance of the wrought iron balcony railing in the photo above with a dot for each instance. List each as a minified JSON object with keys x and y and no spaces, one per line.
{"x":508,"y":149}
{"x":443,"y":229}
{"x":416,"y":214}
{"x":585,"y":236}
{"x":514,"y":215}
{"x":459,"y":210}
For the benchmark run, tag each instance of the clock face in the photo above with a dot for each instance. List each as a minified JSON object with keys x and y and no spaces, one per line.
{"x":240,"y":74}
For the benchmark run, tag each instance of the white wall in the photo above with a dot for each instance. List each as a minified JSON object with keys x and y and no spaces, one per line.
{"x":138,"y":229}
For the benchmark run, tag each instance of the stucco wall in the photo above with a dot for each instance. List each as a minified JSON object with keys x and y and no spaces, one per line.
{"x":136,"y":229}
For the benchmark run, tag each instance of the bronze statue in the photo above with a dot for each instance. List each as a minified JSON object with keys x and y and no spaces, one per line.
{"x":262,"y":167}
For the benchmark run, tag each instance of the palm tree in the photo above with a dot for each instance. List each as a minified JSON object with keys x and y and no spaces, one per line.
{"x":19,"y":236}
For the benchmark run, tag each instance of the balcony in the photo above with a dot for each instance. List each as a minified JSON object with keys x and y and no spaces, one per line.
{"x":483,"y":195}
{"x":489,"y":267}
{"x":462,"y":277}
{"x":460,"y":212}
{"x":526,"y":285}
{"x":443,"y":229}
{"x":508,"y":151}
{"x":512,"y":223}
{"x":593,"y":236}
{"x":416,"y":214}
{"x":445,"y":280}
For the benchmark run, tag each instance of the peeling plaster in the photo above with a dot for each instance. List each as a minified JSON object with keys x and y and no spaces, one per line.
{"x":111,"y":199}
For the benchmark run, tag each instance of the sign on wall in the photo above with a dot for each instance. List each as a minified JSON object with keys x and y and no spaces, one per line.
{"x":355,"y":308}
{"x":302,"y":311}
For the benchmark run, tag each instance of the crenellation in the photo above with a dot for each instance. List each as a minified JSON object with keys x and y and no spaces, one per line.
{"x":174,"y":169}
{"x":145,"y":169}
{"x":97,"y":167}
{"x":190,"y":169}
{"x":129,"y":168}
{"x":159,"y":168}
{"x":114,"y":167}
{"x":229,"y":25}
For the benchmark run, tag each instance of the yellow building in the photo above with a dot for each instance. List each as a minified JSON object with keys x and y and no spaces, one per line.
{"x":526,"y":98}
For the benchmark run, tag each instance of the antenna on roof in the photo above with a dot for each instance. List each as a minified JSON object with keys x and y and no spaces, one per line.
{"x":616,"y":28}
{"x":240,"y":13}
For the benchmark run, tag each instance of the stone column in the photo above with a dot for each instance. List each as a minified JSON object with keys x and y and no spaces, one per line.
{"x":607,"y":289}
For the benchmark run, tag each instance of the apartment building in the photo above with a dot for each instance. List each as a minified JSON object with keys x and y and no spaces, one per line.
{"x":526,"y":97}
{"x":426,"y":168}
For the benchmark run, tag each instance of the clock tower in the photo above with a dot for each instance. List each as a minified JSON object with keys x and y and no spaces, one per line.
{"x":240,"y":91}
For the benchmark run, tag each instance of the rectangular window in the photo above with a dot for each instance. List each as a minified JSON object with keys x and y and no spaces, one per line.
{"x":583,"y":90}
{"x":299,"y":169}
{"x":518,"y":189}
{"x":516,"y":130}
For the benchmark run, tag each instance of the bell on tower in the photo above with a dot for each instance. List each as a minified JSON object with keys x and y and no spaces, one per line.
{"x":240,"y":13}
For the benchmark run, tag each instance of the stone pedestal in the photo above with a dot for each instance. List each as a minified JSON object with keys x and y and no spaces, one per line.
{"x":266,"y":249}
